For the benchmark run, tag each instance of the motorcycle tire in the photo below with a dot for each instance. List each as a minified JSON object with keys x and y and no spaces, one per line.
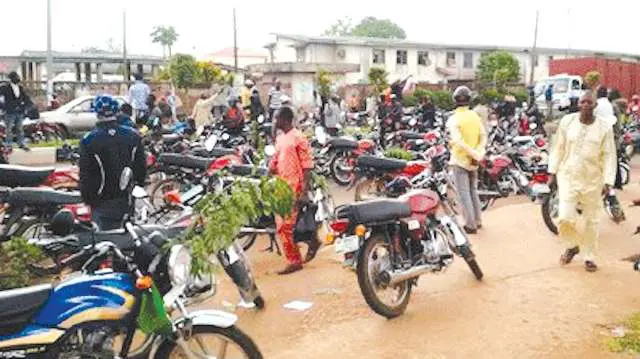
{"x":337,"y":174}
{"x":232,"y":334}
{"x":546,"y":215}
{"x":247,"y":240}
{"x":259,"y":302}
{"x":470,"y":258}
{"x":367,"y":286}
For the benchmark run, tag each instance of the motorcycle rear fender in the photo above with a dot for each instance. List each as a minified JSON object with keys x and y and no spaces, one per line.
{"x":216,"y":318}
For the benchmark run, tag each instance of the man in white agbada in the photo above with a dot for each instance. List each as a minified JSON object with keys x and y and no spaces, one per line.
{"x":583,"y":165}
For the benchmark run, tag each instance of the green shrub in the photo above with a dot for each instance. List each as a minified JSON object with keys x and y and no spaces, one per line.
{"x":442,"y":99}
{"x":399,"y":153}
{"x":630,"y":342}
{"x":16,"y":255}
{"x":410,"y":100}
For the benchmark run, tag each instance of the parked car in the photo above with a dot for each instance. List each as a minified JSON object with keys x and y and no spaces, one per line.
{"x":76,"y":115}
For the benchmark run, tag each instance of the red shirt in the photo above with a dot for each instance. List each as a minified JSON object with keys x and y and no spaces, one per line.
{"x":292,"y":157}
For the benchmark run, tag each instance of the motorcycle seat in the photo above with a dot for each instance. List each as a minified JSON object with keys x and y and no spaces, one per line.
{"x":343,"y":143}
{"x":380,"y":210}
{"x":42,"y":197}
{"x":386,"y":164}
{"x":247,"y":170}
{"x":22,"y":176}
{"x":412,"y":135}
{"x":19,"y":306}
{"x":221,"y":151}
{"x":171,"y":139}
{"x":185,"y":161}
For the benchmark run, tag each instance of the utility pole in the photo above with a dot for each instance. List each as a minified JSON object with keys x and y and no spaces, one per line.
{"x":127,"y":75}
{"x":533,"y":49}
{"x":49,"y":54}
{"x":235,"y":43}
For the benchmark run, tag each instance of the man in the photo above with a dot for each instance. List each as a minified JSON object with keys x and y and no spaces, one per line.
{"x":583,"y":165}
{"x":124,"y":117}
{"x":428,"y":111}
{"x":467,"y":144}
{"x":104,"y":153}
{"x":332,"y":116}
{"x":293,"y":163}
{"x":256,"y":105}
{"x":201,"y":114}
{"x":275,"y":98}
{"x":233,"y":119}
{"x":633,"y":109}
{"x":16,"y":102}
{"x":548,"y":97}
{"x":245,"y":95}
{"x":138,"y":95}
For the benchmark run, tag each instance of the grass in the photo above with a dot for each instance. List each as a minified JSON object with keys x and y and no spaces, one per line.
{"x":56,"y":143}
{"x":630,"y":342}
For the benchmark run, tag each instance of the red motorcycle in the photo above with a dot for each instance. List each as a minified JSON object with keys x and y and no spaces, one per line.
{"x":495,"y":179}
{"x":384,"y":177}
{"x":339,"y":155}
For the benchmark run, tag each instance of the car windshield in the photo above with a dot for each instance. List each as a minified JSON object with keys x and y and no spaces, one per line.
{"x":560,"y":85}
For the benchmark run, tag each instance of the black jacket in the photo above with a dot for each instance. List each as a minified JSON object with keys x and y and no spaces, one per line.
{"x":13,"y":104}
{"x":428,"y":115}
{"x":104,"y":153}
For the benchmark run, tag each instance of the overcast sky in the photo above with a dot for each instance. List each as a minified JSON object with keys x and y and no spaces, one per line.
{"x":206,"y":25}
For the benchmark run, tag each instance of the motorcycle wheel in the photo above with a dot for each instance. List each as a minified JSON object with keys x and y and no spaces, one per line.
{"x":470,"y":258}
{"x":549,"y":209}
{"x":160,"y":189}
{"x":341,"y":171}
{"x":221,"y":342}
{"x":369,"y":261}
{"x":246,"y":240}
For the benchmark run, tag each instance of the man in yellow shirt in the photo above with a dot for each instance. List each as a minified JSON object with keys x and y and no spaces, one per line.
{"x":583,"y":164}
{"x":467,"y":145}
{"x":245,"y":95}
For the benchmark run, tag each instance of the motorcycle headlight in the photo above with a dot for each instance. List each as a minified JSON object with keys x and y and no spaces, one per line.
{"x":225,"y":137}
{"x":179,"y":265}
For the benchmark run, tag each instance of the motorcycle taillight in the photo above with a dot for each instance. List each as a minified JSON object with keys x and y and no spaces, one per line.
{"x":340,"y":226}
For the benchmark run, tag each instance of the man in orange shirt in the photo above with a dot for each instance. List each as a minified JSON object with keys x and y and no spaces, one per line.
{"x":293,"y":163}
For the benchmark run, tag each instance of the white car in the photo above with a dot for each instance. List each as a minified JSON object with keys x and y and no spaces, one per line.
{"x":76,"y":115}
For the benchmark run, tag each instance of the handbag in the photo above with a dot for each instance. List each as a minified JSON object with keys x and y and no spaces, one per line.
{"x":306,"y":224}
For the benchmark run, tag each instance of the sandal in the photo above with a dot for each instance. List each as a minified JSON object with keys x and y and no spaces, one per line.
{"x":590,"y":266}
{"x":568,"y":255}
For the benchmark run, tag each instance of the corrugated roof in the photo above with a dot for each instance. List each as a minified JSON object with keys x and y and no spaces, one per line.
{"x":372,"y":42}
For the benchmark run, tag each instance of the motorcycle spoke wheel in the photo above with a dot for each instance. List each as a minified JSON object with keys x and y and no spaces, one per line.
{"x":214,"y":342}
{"x":343,"y":170}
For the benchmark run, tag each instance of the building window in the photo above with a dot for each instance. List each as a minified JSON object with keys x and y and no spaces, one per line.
{"x":378,"y":57}
{"x":423,"y":58}
{"x":401,"y":57}
{"x":451,"y":58}
{"x":468,"y":60}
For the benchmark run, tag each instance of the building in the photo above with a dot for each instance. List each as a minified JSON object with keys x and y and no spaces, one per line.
{"x":245,"y":57}
{"x":428,"y":63}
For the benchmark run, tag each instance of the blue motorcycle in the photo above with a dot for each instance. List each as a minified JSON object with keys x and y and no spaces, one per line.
{"x":100,"y":312}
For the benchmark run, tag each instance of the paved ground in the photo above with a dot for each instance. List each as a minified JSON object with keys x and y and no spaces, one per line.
{"x":527,"y":306}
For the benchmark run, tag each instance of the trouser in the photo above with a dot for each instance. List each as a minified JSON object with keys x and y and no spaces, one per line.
{"x":618,"y":183}
{"x":590,"y":204}
{"x":284,"y":229}
{"x":466,"y":183}
{"x":13,"y":121}
{"x":109,"y":214}
{"x":549,"y":109}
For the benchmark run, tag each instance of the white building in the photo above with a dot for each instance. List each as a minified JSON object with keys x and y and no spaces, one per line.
{"x":431,"y":63}
{"x":245,"y":57}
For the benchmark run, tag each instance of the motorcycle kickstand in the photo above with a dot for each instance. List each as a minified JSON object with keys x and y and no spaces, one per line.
{"x":273,"y":243}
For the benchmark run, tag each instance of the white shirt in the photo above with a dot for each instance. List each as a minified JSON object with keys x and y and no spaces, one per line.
{"x":604,"y":109}
{"x":16,"y":89}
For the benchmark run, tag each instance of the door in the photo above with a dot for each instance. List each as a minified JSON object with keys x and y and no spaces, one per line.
{"x":82,"y":117}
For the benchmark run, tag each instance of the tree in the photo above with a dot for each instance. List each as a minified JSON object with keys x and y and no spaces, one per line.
{"x":367,"y":27}
{"x":378,"y":79}
{"x":382,"y":28}
{"x":592,"y":79}
{"x":499,"y":68}
{"x":208,"y":73}
{"x":342,"y":27}
{"x":165,"y":36}
{"x":323,"y":79}
{"x":183,"y":70}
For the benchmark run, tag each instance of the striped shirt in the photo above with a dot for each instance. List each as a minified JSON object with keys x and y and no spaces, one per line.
{"x":276,"y":98}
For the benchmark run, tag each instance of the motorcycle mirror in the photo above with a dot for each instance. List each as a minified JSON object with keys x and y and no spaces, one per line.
{"x":413,"y":122}
{"x":261,"y":119}
{"x":125,"y":178}
{"x":210,"y":143}
{"x":525,"y":105}
{"x":533,"y":126}
{"x":139,"y":192}
{"x":225,"y":137}
{"x":269,"y":150}
{"x":321,"y":135}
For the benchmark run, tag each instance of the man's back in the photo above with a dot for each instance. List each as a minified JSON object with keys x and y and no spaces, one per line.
{"x":138,"y":94}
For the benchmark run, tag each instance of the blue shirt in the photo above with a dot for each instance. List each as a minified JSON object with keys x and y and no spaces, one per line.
{"x":138,"y":94}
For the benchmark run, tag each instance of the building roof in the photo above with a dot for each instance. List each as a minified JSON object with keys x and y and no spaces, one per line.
{"x":70,"y":57}
{"x":228,"y":52}
{"x":397,"y":43}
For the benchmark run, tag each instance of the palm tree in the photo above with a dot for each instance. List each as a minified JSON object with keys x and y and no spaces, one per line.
{"x":165,"y":36}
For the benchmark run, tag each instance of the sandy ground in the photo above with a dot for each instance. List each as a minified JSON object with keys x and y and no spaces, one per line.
{"x":526,"y":307}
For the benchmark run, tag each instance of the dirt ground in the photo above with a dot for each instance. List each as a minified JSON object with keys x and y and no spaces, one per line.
{"x":527,"y":306}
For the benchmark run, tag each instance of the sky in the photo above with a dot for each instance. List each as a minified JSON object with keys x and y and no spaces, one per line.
{"x":206,"y":26}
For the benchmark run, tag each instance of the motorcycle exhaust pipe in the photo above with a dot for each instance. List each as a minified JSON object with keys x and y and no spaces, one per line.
{"x":250,"y":230}
{"x":392,"y":278}
{"x":488,"y":194}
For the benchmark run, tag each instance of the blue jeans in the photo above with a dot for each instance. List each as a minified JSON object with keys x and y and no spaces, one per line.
{"x":14,"y":120}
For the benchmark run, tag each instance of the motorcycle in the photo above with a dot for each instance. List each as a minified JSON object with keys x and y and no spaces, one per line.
{"x":384,"y":177}
{"x":88,"y":314}
{"x":394,"y":241}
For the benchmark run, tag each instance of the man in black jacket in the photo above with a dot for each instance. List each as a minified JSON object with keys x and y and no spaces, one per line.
{"x":104,"y":153}
{"x":16,"y":101}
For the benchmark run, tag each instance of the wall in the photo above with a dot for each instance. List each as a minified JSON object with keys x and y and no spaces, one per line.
{"x":621,"y":75}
